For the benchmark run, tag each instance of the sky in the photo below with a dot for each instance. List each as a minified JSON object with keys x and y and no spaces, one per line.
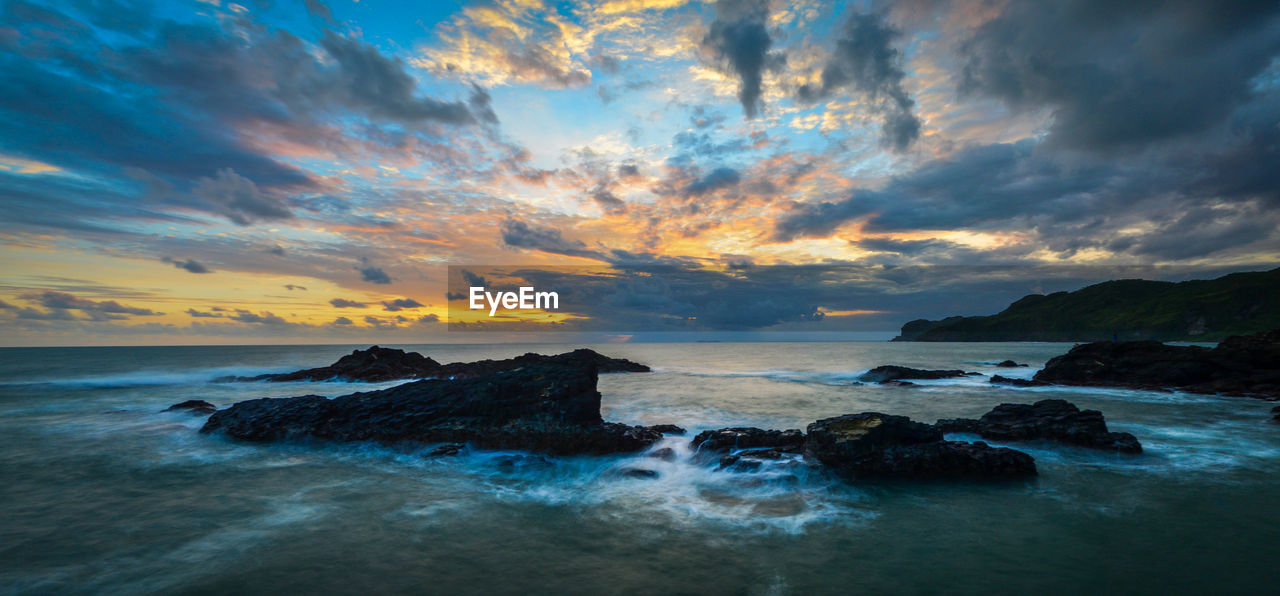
{"x":309,"y":171}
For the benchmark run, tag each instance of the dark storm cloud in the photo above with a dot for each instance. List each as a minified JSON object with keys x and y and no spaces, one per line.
{"x":400,"y":304}
{"x":342,"y":321}
{"x":163,"y":104}
{"x":204,"y":315}
{"x":1117,"y":74}
{"x":1069,"y":204}
{"x":344,"y":303}
{"x":738,"y":39}
{"x":188,"y":265}
{"x":374,"y":275}
{"x":519,"y":234}
{"x":865,"y":59}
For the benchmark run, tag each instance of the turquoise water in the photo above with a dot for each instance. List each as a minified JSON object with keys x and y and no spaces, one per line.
{"x":102,"y":492}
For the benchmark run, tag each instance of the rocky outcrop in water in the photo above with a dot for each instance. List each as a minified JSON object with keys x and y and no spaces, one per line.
{"x":1008,"y":364}
{"x":726,"y":439}
{"x":550,"y":406}
{"x":378,"y":364}
{"x":875,"y":445}
{"x":1050,"y":419}
{"x":1245,"y":366}
{"x":891,"y":373}
{"x":194,"y":406}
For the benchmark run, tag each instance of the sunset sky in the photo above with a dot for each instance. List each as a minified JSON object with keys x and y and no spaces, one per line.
{"x":258,"y":172}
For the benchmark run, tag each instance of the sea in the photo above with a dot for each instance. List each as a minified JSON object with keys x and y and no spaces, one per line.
{"x":101,"y":491}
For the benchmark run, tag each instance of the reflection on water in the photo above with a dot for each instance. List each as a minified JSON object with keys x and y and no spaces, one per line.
{"x":103,"y":492}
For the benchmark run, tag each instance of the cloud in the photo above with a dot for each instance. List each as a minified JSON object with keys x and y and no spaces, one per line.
{"x":188,"y":265}
{"x":262,"y":318}
{"x":342,"y":321}
{"x":65,"y":301}
{"x":714,"y":180}
{"x":400,"y":304}
{"x":292,"y":287}
{"x":511,"y":42}
{"x":865,"y":59}
{"x":374,"y":275}
{"x":519,"y":234}
{"x":739,"y":40}
{"x":369,"y":82}
{"x":344,"y":303}
{"x":239,"y":199}
{"x":319,"y":9}
{"x":432,"y":318}
{"x":204,"y":315}
{"x":1118,"y":76}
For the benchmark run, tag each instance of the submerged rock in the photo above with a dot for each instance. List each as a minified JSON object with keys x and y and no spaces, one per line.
{"x":1247,"y":366}
{"x":194,"y":406}
{"x":1008,"y":364}
{"x":640,"y":473}
{"x":447,"y":449}
{"x":378,"y":364}
{"x":1275,"y":414}
{"x":725,"y":439}
{"x":1050,"y":419}
{"x":875,"y":445}
{"x":664,"y":454}
{"x":1001,"y":380}
{"x":890,"y":372}
{"x":550,"y":407}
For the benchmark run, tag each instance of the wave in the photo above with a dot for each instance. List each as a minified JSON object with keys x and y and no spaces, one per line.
{"x":142,"y":378}
{"x":792,"y":376}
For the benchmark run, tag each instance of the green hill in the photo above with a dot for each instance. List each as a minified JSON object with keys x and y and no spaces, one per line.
{"x":1127,"y":309}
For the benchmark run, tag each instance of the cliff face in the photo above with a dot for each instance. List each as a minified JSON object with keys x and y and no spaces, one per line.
{"x":1130,"y":309}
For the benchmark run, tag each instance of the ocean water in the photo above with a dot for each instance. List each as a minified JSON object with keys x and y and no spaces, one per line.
{"x":101,"y":492}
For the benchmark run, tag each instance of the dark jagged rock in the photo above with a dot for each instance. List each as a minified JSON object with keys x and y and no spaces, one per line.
{"x":602,"y":363}
{"x":874,"y":445}
{"x":550,"y":407}
{"x":194,"y":406}
{"x":1008,"y":364}
{"x":890,"y":372}
{"x":377,"y":364}
{"x":374,"y":365}
{"x":639,"y":473}
{"x":1000,"y":380}
{"x":1049,"y":419}
{"x":725,"y":439}
{"x":668,"y":429}
{"x":1244,"y":366}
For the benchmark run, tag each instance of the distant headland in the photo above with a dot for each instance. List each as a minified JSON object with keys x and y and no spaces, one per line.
{"x":1127,"y":309}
